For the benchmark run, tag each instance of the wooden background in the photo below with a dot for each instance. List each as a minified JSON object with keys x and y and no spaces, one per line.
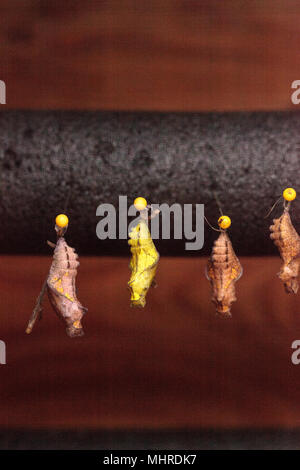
{"x":153,"y":54}
{"x":171,"y":365}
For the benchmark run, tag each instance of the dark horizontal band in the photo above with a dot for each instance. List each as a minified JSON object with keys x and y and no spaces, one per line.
{"x":247,"y":158}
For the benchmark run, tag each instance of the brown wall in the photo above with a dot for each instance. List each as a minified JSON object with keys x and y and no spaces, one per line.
{"x":172,"y":364}
{"x":154,"y":54}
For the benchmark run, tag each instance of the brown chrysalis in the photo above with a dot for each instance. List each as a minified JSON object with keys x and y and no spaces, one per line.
{"x":60,"y":285}
{"x":287,"y":241}
{"x":223,"y":270}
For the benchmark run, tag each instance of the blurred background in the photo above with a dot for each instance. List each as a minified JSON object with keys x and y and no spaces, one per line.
{"x":183,"y":55}
{"x":170,"y":375}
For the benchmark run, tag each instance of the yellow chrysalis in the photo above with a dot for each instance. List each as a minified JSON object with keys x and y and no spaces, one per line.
{"x":143,"y":263}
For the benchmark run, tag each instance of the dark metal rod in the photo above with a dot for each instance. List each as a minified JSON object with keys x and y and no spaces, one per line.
{"x":246,"y":158}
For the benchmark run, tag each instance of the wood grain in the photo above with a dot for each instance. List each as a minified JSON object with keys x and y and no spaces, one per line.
{"x":154,"y":55}
{"x":170,"y":365}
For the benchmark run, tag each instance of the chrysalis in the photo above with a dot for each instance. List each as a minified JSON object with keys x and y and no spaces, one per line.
{"x":60,"y":284}
{"x":223,"y":270}
{"x":144,"y":258}
{"x":287,"y":241}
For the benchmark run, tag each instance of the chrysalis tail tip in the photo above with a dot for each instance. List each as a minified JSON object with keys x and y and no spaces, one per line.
{"x":223,"y":315}
{"x":138,"y":303}
{"x":291,"y":288}
{"x":74,"y":332}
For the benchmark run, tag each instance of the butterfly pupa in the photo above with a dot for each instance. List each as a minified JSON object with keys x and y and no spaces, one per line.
{"x":287,"y":240}
{"x":223,"y":270}
{"x":60,"y":284}
{"x":144,"y":257}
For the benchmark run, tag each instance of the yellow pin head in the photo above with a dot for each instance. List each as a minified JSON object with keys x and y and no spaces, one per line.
{"x":62,"y":220}
{"x":140,"y":203}
{"x":289,"y":194}
{"x":224,"y":221}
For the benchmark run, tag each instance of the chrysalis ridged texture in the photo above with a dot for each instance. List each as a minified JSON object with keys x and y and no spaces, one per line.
{"x":223,"y":270}
{"x":61,"y":287}
{"x":287,"y":241}
{"x":143,"y":263}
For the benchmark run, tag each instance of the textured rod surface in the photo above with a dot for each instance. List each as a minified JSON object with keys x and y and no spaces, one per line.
{"x":247,"y":158}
